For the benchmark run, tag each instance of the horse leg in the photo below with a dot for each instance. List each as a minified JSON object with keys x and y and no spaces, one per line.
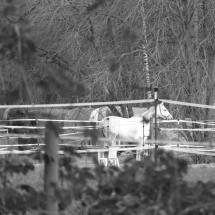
{"x":112,"y":138}
{"x":101,"y":145}
{"x":138,"y":151}
{"x":146,"y":150}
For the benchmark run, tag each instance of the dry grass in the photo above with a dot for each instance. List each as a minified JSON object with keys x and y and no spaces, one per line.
{"x":33,"y":178}
{"x":201,"y":172}
{"x":197,"y":172}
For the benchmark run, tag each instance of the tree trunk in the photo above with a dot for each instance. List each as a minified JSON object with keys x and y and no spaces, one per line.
{"x":145,"y":56}
{"x":51,"y":171}
{"x":130,"y":110}
{"x":124,"y":111}
{"x":146,"y":71}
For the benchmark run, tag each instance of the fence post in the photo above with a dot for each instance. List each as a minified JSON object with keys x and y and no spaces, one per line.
{"x":156,"y":100}
{"x":143,"y":152}
{"x":51,"y":171}
{"x":86,"y":157}
{"x":37,"y":124}
{"x":151,"y":136}
{"x":178,"y":135}
{"x":7,"y":156}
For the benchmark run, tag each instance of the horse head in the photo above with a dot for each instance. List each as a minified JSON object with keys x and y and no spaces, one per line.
{"x":162,"y":112}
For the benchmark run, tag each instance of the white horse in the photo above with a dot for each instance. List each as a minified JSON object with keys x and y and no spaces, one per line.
{"x":132,"y":128}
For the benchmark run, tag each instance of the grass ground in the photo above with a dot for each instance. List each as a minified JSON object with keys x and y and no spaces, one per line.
{"x":201,"y":172}
{"x":196,"y":172}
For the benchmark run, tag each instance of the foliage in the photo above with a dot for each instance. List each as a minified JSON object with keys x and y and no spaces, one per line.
{"x":18,"y":46}
{"x":144,"y":188}
{"x":134,"y":188}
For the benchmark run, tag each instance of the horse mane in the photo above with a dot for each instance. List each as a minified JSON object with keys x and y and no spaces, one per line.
{"x":146,"y":115}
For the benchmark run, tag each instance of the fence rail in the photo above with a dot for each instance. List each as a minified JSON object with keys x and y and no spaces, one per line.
{"x":52,"y":141}
{"x":210,"y":152}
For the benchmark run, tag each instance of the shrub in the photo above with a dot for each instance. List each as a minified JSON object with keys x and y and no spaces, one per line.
{"x":137,"y":187}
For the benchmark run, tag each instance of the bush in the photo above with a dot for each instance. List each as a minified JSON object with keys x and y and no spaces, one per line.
{"x":136,"y":187}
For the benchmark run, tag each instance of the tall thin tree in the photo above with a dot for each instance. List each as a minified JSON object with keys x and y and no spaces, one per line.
{"x":145,"y":55}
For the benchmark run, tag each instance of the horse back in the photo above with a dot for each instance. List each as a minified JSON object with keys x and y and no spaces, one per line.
{"x":130,"y":128}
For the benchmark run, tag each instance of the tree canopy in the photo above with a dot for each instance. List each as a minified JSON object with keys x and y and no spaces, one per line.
{"x":94,"y":51}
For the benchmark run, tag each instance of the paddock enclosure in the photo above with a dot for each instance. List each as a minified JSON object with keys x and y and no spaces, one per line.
{"x":81,"y":114}
{"x":70,"y":125}
{"x":73,"y":119}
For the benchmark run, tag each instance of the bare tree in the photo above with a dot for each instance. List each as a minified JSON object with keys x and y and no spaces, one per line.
{"x":101,"y":47}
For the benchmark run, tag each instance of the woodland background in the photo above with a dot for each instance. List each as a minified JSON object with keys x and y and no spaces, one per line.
{"x":75,"y":51}
{"x":109,"y":50}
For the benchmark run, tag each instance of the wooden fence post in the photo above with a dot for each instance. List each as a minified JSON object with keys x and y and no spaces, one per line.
{"x":51,"y":171}
{"x":38,"y":139}
{"x":143,"y":152}
{"x":151,"y":136}
{"x":156,"y":101}
{"x":178,"y":153}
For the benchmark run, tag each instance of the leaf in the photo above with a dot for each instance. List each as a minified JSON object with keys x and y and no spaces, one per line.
{"x":43,"y":84}
{"x":130,"y":35}
{"x":133,"y":37}
{"x":28,"y":189}
{"x":7,"y":11}
{"x":63,"y":84}
{"x":23,"y":22}
{"x":80,"y":90}
{"x":131,"y":200}
{"x":109,"y":2}
{"x":95,"y":5}
{"x":87,"y":174}
{"x":37,"y":156}
{"x":126,"y":33}
{"x":138,"y":31}
{"x":139,"y":177}
{"x":29,"y":46}
{"x":113,"y":65}
{"x":19,"y":168}
{"x":64,"y":197}
{"x":70,"y":150}
{"x":13,"y":96}
{"x":141,"y":88}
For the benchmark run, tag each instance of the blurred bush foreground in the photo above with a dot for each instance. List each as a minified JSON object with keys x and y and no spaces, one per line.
{"x":134,"y":188}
